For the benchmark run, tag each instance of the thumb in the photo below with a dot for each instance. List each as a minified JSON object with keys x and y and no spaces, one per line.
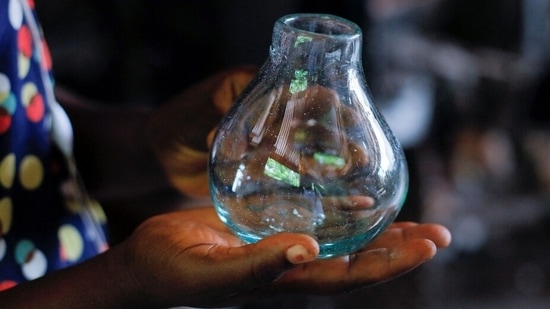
{"x":272,"y":256}
{"x":254,"y":267}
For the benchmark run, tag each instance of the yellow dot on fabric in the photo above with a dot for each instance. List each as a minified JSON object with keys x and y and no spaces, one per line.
{"x":6,"y":210}
{"x":73,"y":206}
{"x":71,"y":241}
{"x":28,"y":91}
{"x":7,"y":170}
{"x":97,"y":212}
{"x":31,"y":172}
{"x":23,"y":65}
{"x":5,"y":87}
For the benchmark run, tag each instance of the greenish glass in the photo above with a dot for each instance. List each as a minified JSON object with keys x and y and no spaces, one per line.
{"x":304,"y":148}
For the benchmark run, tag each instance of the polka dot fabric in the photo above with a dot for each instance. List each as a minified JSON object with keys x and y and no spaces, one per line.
{"x":43,"y":226}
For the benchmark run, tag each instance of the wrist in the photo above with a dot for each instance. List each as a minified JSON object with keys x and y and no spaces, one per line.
{"x":122,"y":285}
{"x":101,"y":282}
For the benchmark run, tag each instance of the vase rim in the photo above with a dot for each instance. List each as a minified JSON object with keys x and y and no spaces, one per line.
{"x":320,"y":24}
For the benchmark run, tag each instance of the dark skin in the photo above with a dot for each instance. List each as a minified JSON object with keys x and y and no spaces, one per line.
{"x":181,"y":256}
{"x":284,"y":263}
{"x":189,"y":257}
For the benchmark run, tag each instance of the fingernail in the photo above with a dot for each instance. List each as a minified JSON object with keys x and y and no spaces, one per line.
{"x":298,"y":254}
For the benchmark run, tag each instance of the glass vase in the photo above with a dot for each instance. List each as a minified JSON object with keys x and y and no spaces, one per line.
{"x":304,"y":149}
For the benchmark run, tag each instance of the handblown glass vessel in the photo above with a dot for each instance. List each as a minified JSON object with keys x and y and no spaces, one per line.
{"x":304,"y":149}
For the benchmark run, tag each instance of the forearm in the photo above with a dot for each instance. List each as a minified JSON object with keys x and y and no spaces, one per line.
{"x":101,"y":282}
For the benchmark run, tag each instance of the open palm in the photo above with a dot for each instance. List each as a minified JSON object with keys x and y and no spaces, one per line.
{"x":190,"y":257}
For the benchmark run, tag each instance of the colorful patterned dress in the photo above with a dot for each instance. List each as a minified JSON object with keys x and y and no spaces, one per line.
{"x":46,"y":220}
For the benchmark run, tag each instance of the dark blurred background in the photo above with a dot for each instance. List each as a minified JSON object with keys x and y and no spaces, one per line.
{"x":464,"y":84}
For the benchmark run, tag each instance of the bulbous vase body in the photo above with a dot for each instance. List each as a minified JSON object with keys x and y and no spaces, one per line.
{"x":304,"y":149}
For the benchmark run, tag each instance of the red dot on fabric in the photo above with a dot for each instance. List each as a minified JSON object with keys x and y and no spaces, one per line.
{"x":5,"y":120}
{"x":35,"y":110}
{"x":63,"y":254}
{"x":4,"y":285}
{"x":47,"y":58}
{"x":24,"y":41}
{"x":31,"y":4}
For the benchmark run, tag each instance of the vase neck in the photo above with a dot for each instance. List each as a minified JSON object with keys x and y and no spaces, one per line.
{"x":315,"y":41}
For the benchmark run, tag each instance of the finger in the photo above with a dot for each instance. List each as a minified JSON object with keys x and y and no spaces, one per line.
{"x":381,"y":265}
{"x":257,"y":264}
{"x":232,"y":84}
{"x":403,"y":231}
{"x":349,"y":273}
{"x":254,"y":266}
{"x":438,"y":234}
{"x":403,"y":224}
{"x":434,"y":232}
{"x":272,"y":256}
{"x":206,"y":215}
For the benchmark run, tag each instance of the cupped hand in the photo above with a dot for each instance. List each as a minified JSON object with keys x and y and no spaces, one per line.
{"x":191,"y":258}
{"x":179,"y":129}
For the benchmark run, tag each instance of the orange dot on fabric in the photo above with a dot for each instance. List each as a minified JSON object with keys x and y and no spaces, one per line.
{"x":31,"y":172}
{"x":7,"y":171}
{"x":35,"y":109}
{"x":24,"y":41}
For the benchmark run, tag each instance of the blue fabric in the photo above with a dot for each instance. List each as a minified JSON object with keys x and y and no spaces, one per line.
{"x":44,"y":225}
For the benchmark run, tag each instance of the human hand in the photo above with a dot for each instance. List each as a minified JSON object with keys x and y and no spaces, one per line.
{"x":180,"y":128}
{"x":191,"y":258}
